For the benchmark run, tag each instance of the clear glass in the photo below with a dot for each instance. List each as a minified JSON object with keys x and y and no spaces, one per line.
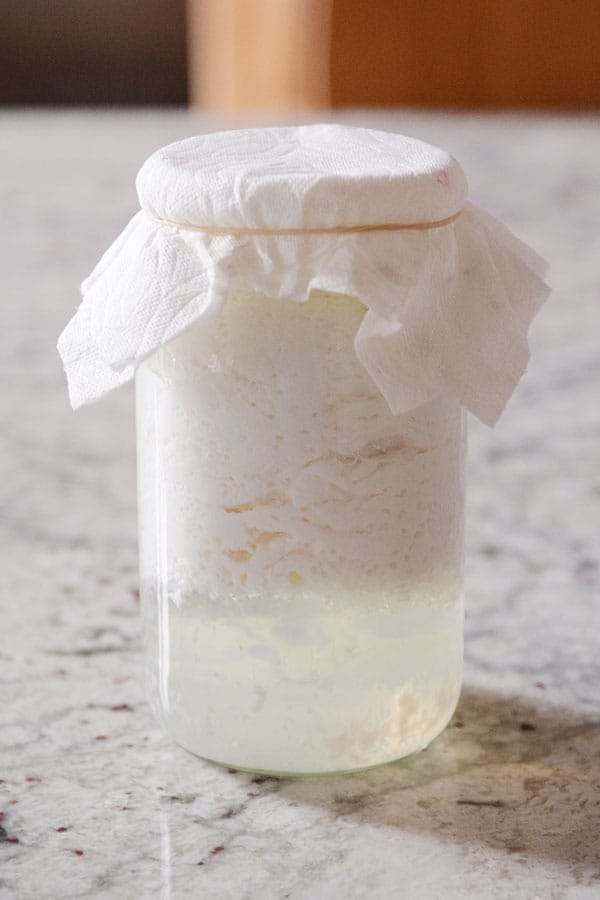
{"x":301,"y":547}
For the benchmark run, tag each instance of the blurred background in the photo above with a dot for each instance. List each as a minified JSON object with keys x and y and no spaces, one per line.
{"x":88,"y":89}
{"x":249,"y":56}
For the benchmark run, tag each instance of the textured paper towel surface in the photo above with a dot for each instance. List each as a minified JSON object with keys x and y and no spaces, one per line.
{"x":447,"y":308}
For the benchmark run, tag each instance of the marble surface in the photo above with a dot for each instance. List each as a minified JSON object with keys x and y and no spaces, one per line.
{"x":94,"y":801}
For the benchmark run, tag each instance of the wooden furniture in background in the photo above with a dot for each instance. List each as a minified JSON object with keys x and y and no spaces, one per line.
{"x":259,"y":55}
{"x":466,"y":53}
{"x":250,"y":56}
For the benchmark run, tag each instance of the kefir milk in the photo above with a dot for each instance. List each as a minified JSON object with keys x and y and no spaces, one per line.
{"x":300,"y":545}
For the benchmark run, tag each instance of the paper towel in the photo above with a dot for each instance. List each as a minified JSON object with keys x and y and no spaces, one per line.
{"x":448,"y":308}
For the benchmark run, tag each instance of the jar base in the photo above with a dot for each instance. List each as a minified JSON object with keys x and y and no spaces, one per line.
{"x":233,"y":767}
{"x":268,"y":773}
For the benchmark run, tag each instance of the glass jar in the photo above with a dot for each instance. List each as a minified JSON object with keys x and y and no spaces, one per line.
{"x":301,"y":547}
{"x":301,"y":452}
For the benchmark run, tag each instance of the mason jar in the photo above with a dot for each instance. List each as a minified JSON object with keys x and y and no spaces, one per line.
{"x":301,"y":547}
{"x":307,"y":312}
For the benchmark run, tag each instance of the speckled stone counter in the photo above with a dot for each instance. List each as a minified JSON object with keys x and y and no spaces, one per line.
{"x":94,"y":801}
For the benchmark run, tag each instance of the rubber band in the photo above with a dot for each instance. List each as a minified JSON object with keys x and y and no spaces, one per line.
{"x":289,"y":232}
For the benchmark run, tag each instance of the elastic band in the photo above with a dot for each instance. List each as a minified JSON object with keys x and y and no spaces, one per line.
{"x":285,"y":232}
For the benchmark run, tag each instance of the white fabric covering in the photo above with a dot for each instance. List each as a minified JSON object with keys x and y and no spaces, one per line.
{"x":447,"y":308}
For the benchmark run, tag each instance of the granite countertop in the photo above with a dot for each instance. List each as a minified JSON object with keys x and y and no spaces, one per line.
{"x":94,"y":801}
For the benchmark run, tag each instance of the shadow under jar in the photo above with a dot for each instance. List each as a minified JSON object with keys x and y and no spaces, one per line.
{"x":301,"y":547}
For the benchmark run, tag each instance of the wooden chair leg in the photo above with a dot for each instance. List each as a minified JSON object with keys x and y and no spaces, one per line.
{"x":259,"y":55}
